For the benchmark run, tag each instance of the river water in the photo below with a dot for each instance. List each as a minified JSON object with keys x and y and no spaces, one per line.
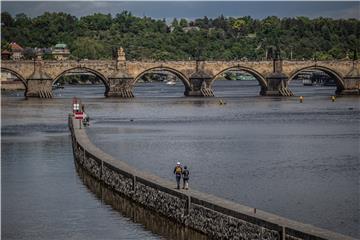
{"x":297,"y":160}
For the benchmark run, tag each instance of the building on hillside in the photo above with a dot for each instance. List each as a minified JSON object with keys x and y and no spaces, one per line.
{"x":186,"y":29}
{"x":16,"y":50}
{"x":61,"y":52}
{"x":191,"y":28}
{"x":47,"y":51}
{"x":5,"y":55}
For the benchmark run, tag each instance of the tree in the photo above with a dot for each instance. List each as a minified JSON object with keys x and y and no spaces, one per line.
{"x":94,"y":36}
{"x":183,"y":23}
{"x":175,"y":23}
{"x":87,"y":48}
{"x":22,"y":21}
{"x":6,"y":20}
{"x":97,"y":22}
{"x":239,"y":26}
{"x":29,"y":53}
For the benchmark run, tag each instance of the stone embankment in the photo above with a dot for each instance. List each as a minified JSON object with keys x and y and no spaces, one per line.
{"x":218,"y":218}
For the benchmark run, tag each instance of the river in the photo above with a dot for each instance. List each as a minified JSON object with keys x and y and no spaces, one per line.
{"x":297,"y":160}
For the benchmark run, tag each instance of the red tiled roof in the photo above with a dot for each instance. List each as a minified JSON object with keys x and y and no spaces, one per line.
{"x":5,"y":52}
{"x":16,"y":47}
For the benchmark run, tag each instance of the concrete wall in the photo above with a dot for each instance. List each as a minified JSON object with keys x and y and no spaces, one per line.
{"x":218,"y":218}
{"x":139,"y":214}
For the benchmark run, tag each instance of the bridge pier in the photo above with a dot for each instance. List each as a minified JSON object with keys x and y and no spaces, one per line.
{"x":120,"y":86}
{"x":351,"y":83}
{"x":41,"y":88}
{"x":39,"y":84}
{"x":120,"y":82}
{"x":277,"y":85}
{"x":199,"y":85}
{"x":277,"y":81}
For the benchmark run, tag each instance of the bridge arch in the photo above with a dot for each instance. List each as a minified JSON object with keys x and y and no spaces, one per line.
{"x":19,"y":76}
{"x":103,"y":79}
{"x":177,"y":73}
{"x":259,"y":77}
{"x":332,"y":73}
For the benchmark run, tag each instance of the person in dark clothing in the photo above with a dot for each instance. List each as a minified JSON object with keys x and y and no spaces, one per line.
{"x":178,"y":171}
{"x":186,"y":174}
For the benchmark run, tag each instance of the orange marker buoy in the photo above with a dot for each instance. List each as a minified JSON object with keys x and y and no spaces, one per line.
{"x":222,"y":102}
{"x":301,"y":99}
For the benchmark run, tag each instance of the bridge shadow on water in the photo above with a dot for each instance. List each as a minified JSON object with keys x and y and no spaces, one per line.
{"x":151,"y":221}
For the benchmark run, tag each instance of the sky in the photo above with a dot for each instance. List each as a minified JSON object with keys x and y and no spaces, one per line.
{"x":190,"y":9}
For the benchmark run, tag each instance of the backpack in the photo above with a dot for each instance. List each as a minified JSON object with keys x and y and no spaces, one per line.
{"x":178,"y":170}
{"x":186,"y":174}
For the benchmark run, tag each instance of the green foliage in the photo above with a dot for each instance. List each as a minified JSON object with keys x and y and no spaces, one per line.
{"x":48,"y":56}
{"x":183,"y":23}
{"x":221,"y":38}
{"x":29,"y":53}
{"x":6,"y":20}
{"x":5,"y":45}
{"x":85,"y":47}
{"x":96,"y":22}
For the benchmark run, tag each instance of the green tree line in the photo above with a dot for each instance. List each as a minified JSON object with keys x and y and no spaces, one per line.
{"x":222,"y":38}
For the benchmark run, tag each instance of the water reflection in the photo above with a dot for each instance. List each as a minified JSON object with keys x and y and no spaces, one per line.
{"x":150,"y":220}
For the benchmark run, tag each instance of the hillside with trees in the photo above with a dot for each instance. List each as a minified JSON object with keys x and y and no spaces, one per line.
{"x":223,"y":38}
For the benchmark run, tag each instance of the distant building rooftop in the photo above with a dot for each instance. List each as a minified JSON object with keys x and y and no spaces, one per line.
{"x":187,"y":29}
{"x":60,"y":45}
{"x":15,"y":47}
{"x":5,"y":55}
{"x":60,"y":52}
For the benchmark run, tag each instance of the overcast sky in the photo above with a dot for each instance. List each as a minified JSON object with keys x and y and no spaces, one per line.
{"x":190,"y":9}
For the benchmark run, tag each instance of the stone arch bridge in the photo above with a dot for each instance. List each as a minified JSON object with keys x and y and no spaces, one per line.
{"x":120,"y":76}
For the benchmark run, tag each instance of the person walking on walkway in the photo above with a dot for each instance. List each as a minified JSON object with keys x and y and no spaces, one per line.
{"x":178,"y":171}
{"x":186,"y":174}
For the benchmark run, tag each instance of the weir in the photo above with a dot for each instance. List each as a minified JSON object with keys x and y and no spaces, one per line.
{"x":216,"y":217}
{"x":139,"y":214}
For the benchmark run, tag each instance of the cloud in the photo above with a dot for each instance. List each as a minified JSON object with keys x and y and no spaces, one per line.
{"x":189,"y":9}
{"x":352,"y":12}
